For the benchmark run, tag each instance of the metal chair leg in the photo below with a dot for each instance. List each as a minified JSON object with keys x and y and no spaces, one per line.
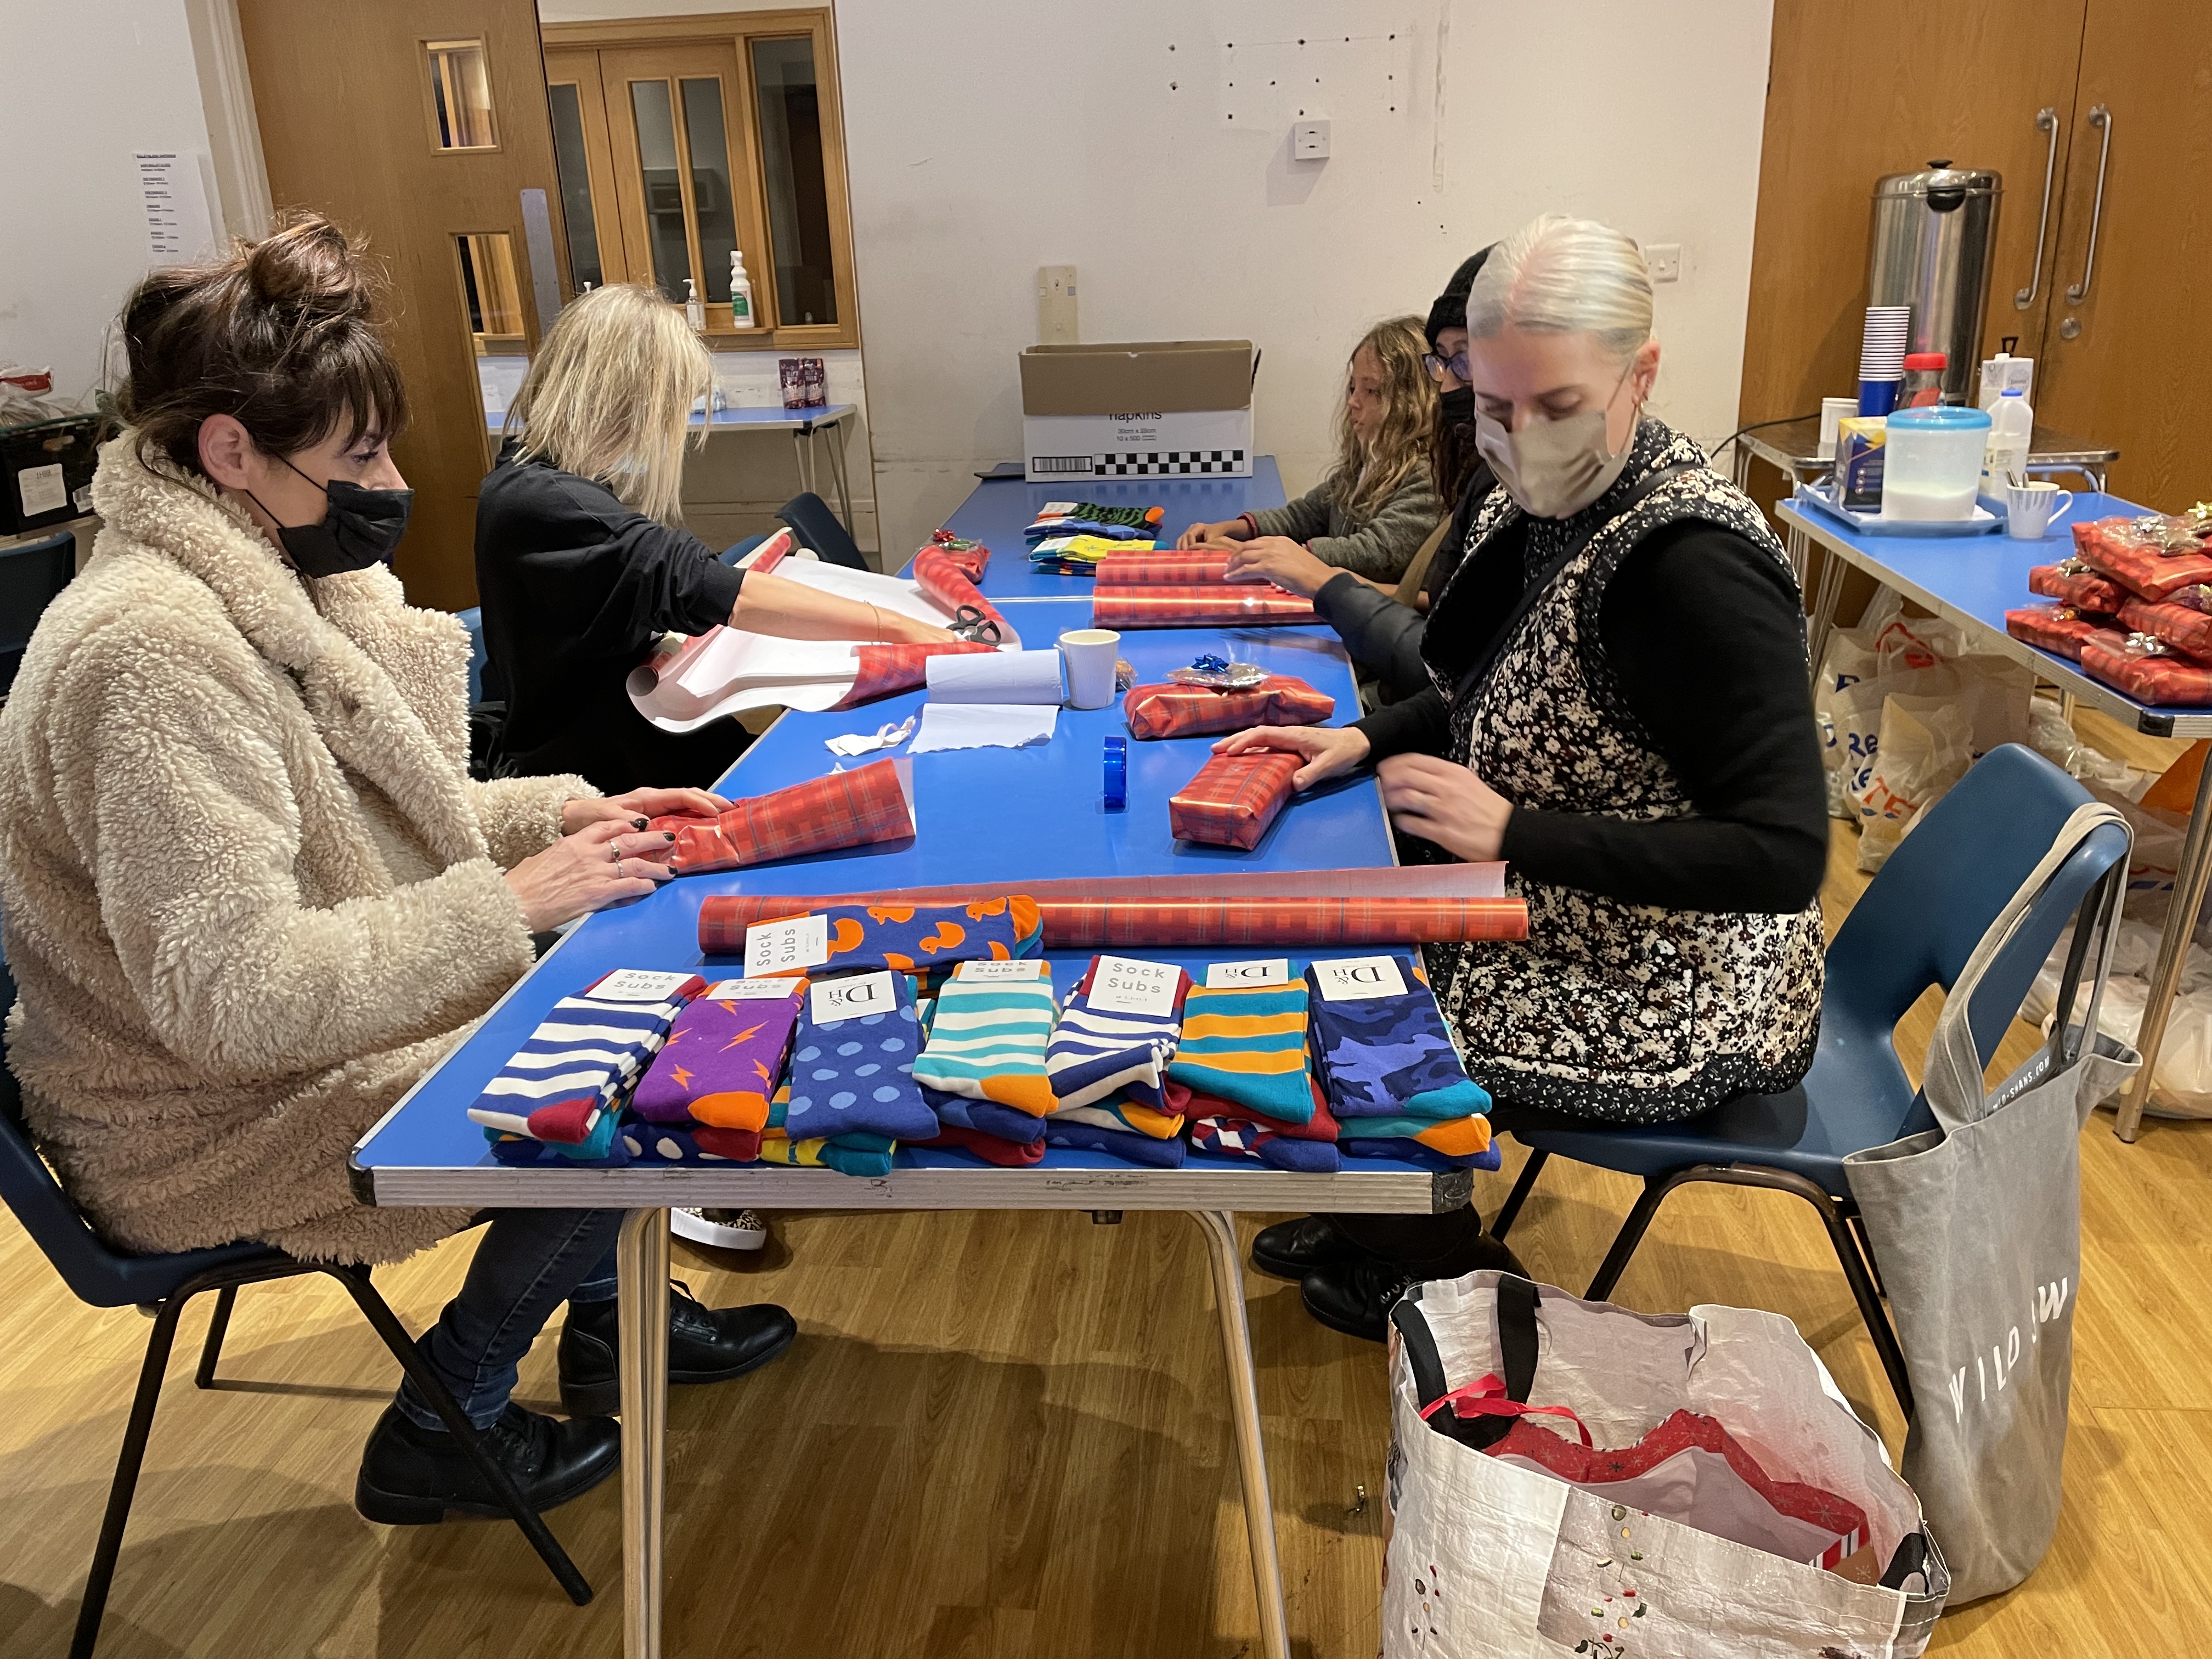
{"x":1863,"y":1292}
{"x":1523,"y":1185}
{"x":1655,"y":1188}
{"x":378,"y":1313}
{"x":124,"y":1486}
{"x":1856,"y":1223}
{"x":212,"y":1348}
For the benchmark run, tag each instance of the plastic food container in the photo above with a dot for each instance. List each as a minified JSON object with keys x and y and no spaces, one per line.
{"x":1932,"y":462}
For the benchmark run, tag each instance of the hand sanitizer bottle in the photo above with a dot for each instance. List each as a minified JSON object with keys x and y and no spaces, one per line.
{"x":694,"y":313}
{"x":741,"y":293}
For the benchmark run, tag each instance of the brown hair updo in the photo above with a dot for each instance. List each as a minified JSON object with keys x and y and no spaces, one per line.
{"x":280,"y":334}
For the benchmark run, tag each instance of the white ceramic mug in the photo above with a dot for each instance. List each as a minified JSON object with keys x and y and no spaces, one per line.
{"x":2030,"y":506}
{"x":1090,"y":654}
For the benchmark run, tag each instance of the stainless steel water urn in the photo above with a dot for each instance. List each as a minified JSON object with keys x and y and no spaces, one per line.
{"x":1935,"y":232}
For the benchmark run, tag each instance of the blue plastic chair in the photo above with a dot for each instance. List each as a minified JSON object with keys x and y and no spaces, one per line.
{"x":107,"y":1278}
{"x":1915,"y":926}
{"x":472,"y":619}
{"x":818,"y":527}
{"x":30,"y":576}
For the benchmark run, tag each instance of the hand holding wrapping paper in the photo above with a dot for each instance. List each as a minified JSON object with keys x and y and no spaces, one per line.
{"x":845,"y":809}
{"x":1233,"y":799}
{"x":1170,"y":710}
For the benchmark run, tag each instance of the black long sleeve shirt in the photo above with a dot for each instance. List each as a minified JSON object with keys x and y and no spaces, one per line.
{"x":1701,"y":630}
{"x":575,"y":588}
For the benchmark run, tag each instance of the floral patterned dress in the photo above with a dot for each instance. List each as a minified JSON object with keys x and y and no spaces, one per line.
{"x":1633,"y":1013}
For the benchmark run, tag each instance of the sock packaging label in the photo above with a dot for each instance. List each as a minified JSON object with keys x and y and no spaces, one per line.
{"x":637,"y":985}
{"x":785,"y":947}
{"x":1123,"y":986}
{"x":1235,"y":976}
{"x":1359,"y":978}
{"x":1028,"y":968}
{"x":748,"y":990}
{"x":835,"y":1000}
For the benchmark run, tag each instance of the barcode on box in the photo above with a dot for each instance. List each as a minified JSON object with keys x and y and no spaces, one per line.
{"x":1061,"y":463}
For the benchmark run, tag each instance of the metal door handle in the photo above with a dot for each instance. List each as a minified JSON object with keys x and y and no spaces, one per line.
{"x":2047,"y":120}
{"x":2099,"y":117}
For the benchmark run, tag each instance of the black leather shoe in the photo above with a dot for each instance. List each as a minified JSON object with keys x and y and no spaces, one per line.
{"x":705,"y":1345}
{"x":1292,"y":1249}
{"x":1355,"y":1296}
{"x":412,"y":1477}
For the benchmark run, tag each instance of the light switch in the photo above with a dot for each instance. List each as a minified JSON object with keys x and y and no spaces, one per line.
{"x":1056,"y":305}
{"x":1309,"y":141}
{"x":1664,"y":260}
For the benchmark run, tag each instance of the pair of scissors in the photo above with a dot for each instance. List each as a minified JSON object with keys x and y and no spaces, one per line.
{"x":969,"y":624}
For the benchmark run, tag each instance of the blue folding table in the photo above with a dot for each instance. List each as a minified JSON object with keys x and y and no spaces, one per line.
{"x":993,"y":814}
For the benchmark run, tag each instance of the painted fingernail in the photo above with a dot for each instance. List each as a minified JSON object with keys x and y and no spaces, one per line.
{"x":637,"y":823}
{"x":669,"y":834}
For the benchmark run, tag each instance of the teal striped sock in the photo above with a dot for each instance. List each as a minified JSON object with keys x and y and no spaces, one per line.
{"x":987,"y":1041}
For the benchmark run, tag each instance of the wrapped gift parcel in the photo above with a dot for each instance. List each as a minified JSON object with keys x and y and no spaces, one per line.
{"x":886,"y":668}
{"x":1221,"y":604}
{"x":2072,"y":582}
{"x":2152,"y":554}
{"x":2187,"y":629}
{"x":2057,"y":628}
{"x":942,"y":579}
{"x":1233,"y":799}
{"x":2147,"y":669}
{"x":967,"y":556}
{"x":1172,"y":710}
{"x":1165,"y":569}
{"x":874,"y":803}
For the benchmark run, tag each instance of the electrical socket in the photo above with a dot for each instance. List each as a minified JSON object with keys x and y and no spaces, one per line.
{"x":1309,"y":141}
{"x":1056,"y":305}
{"x":1664,"y":260}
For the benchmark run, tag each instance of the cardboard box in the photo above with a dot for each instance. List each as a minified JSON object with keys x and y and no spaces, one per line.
{"x":1141,"y":409}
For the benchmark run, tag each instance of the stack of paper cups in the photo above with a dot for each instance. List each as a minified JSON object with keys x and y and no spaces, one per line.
{"x":1881,"y":358}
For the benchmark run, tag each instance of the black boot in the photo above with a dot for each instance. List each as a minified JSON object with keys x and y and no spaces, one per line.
{"x":1292,"y":1249}
{"x":705,"y":1345}
{"x":412,"y":1476}
{"x":1355,"y":1296}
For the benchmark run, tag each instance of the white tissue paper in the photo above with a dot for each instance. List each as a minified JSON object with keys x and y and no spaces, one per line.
{"x":1000,"y":676}
{"x":983,"y":725}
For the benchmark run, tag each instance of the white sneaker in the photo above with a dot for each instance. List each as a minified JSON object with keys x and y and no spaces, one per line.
{"x":726,"y":1230}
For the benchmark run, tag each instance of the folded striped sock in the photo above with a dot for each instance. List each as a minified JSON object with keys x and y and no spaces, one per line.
{"x":983,"y":1117}
{"x":855,"y":1076}
{"x":991,"y":1149}
{"x":1390,"y":1056}
{"x":564,"y":1085}
{"x":1123,"y":1114}
{"x":987,"y":1040}
{"x":1322,"y":1126}
{"x":1413,"y":1152}
{"x":1129,"y":1147}
{"x":852,"y":1155}
{"x":1239,"y":1138}
{"x":1248,"y":1045}
{"x":1096,"y":1052}
{"x":1454,"y":1137}
{"x":723,"y":1056}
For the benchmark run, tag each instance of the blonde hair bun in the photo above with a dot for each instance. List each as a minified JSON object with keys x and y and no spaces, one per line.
{"x":1561,"y":275}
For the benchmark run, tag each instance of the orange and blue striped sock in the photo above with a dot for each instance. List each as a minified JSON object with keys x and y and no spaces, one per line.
{"x":1247,"y":1045}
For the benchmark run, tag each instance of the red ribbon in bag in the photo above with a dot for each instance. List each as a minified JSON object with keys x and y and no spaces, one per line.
{"x":1485,"y":1397}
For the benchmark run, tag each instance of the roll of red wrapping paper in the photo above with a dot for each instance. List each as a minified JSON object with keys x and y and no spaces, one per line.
{"x":845,"y":809}
{"x":1226,"y":605}
{"x":1273,"y":921}
{"x":937,"y":573}
{"x":1191,"y":569}
{"x":885,"y":669}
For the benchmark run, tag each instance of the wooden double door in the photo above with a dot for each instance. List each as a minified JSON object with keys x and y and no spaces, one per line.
{"x":2102,"y":279}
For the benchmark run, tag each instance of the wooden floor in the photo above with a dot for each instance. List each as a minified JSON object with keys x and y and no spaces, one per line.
{"x":1004,"y":1435}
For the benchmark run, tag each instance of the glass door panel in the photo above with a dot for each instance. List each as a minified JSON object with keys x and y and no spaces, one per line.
{"x":460,"y":95}
{"x":798,"y":190}
{"x":572,"y":161}
{"x":661,"y":170}
{"x":713,"y":194}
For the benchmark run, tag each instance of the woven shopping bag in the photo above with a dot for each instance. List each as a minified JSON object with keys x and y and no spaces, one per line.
{"x":1493,"y":1556}
{"x":1977,"y":1229}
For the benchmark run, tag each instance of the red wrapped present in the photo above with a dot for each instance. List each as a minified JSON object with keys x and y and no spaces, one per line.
{"x":2147,"y":669}
{"x":1166,"y":569}
{"x":2057,"y":628}
{"x":2071,"y":582}
{"x":970,"y":557}
{"x":845,"y":809}
{"x":885,"y":669}
{"x":1225,"y":604}
{"x":2185,"y":628}
{"x":1233,"y":799}
{"x":940,"y":575}
{"x":2152,"y":555}
{"x":1172,"y":710}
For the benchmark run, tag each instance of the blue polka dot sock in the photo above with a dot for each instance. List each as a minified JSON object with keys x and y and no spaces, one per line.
{"x":855,"y":1076}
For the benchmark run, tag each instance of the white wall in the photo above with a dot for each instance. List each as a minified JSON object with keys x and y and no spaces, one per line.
{"x":87,"y":84}
{"x":987,"y":138}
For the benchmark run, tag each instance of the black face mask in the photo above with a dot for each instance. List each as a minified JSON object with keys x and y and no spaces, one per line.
{"x":361,"y":527}
{"x":1457,"y":405}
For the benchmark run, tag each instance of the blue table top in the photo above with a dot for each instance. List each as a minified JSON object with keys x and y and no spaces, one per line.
{"x":983,"y":814}
{"x":997,"y":510}
{"x":1974,"y":579}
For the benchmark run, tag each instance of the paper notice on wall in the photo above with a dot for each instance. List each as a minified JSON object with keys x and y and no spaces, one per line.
{"x":179,"y":228}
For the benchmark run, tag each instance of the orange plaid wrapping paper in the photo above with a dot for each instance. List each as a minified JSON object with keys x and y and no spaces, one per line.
{"x":1162,"y":569}
{"x":845,"y":809}
{"x":1225,"y":604}
{"x":885,"y":669}
{"x":2083,"y":589}
{"x":2057,"y":628}
{"x":1173,"y":710}
{"x":2154,"y":677}
{"x":1309,"y":924}
{"x":1233,"y":799}
{"x":938,"y":574}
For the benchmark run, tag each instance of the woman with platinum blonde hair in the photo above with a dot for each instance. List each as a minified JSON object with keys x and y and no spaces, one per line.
{"x":1619,"y":708}
{"x":581,"y":564}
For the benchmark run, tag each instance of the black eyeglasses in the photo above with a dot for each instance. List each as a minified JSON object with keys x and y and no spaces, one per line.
{"x":1436,"y":366}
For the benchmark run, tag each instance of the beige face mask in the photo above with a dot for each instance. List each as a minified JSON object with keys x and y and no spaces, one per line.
{"x":1555,"y":468}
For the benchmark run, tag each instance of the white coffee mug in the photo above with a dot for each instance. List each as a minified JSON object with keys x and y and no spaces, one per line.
{"x":2030,"y":506}
{"x":1090,"y":654}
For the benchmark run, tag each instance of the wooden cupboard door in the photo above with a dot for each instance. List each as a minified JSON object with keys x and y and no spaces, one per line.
{"x":419,"y":124}
{"x":2126,"y":359}
{"x":1886,"y":86}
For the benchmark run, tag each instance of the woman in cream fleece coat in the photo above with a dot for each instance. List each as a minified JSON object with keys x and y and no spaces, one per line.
{"x":250,"y":892}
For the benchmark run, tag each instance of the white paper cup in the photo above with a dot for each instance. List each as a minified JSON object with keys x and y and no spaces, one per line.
{"x":2030,"y":506}
{"x":1089,"y":653}
{"x":1833,"y":410}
